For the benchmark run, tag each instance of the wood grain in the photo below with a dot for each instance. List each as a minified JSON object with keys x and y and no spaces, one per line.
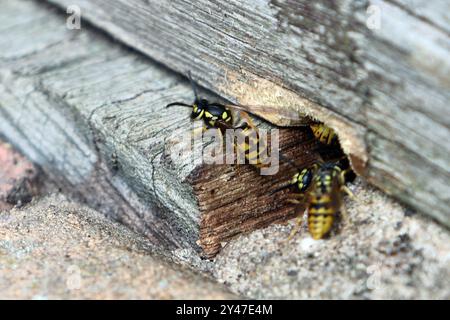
{"x":384,"y":90}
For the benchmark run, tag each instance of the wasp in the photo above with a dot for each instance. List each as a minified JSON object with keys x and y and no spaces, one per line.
{"x":325,"y":198}
{"x":214,"y":115}
{"x":219,"y":116}
{"x":324,"y":133}
{"x":250,"y":143}
{"x":319,"y":190}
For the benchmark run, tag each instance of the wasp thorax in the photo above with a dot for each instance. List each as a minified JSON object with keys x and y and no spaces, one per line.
{"x":203,"y":103}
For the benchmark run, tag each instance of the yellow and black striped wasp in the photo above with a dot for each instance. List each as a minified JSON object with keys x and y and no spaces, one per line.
{"x":319,"y":189}
{"x":247,"y":139}
{"x":214,"y":115}
{"x":322,"y":132}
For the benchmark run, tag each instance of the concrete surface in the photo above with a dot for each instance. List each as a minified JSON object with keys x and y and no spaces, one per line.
{"x":54,"y":249}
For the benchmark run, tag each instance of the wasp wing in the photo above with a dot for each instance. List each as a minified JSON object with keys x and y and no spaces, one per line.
{"x":223,"y":126}
{"x":336,"y":195}
{"x":274,"y":112}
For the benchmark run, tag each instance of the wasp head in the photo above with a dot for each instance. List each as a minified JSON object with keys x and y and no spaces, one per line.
{"x":198,"y":109}
{"x":302,"y":179}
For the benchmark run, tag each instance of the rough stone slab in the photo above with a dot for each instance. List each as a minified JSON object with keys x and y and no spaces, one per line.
{"x":18,"y":178}
{"x":57,"y":249}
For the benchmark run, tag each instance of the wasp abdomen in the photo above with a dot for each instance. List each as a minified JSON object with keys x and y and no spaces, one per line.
{"x":320,"y":216}
{"x":253,"y":147}
{"x":324,"y":133}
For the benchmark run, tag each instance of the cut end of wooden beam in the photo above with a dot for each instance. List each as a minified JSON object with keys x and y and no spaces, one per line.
{"x":237,"y":199}
{"x":290,"y":109}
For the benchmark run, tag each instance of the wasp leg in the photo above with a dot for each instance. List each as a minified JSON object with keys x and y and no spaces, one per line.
{"x":344,"y":188}
{"x":198,"y":132}
{"x":344,"y":213}
{"x":236,"y":153}
{"x":297,"y":195}
{"x":249,"y":123}
{"x":349,"y":193}
{"x":300,"y":197}
{"x":296,"y":229}
{"x":220,"y":135}
{"x":222,"y":139}
{"x":300,"y":210}
{"x":248,"y":120}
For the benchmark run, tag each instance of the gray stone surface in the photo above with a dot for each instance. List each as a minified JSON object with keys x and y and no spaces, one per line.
{"x":55,"y":249}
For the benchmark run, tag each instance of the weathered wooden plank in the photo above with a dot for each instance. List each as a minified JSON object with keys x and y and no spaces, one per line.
{"x":91,"y":114}
{"x":376,"y":87}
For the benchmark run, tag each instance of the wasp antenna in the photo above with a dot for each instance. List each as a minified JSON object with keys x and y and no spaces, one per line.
{"x":194,"y":87}
{"x":289,"y":161}
{"x":280,"y":189}
{"x":178,"y":104}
